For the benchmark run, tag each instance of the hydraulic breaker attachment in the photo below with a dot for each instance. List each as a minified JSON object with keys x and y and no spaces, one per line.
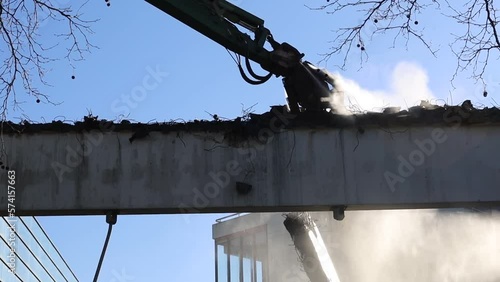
{"x":309,"y":88}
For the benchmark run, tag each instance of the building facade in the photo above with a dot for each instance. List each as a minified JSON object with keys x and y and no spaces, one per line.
{"x":27,"y":254}
{"x":255,"y":248}
{"x":405,"y":245}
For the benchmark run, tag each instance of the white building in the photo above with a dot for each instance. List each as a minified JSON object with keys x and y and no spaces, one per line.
{"x":414,"y":245}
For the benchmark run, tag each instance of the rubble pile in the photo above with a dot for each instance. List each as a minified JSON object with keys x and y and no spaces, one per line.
{"x":425,"y":114}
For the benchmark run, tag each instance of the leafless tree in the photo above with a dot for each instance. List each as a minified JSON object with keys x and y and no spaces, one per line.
{"x":474,"y":48}
{"x":35,"y":33}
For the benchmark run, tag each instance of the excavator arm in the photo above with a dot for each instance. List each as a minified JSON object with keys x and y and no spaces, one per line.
{"x":307,"y":87}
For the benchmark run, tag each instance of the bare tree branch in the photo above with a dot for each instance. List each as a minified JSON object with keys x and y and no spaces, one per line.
{"x":27,"y":50}
{"x":387,"y":16}
{"x":473,"y":48}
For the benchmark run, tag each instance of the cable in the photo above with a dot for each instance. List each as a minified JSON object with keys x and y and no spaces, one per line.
{"x":111,"y":220}
{"x":231,"y":56}
{"x":247,"y":79}
{"x":259,"y":79}
{"x":31,"y":251}
{"x":256,"y":76}
{"x":54,"y":247}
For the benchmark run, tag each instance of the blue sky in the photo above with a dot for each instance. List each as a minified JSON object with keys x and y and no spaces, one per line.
{"x":198,"y":76}
{"x":203,"y":78}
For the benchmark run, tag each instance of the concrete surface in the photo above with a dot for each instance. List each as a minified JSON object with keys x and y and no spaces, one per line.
{"x":300,"y":168}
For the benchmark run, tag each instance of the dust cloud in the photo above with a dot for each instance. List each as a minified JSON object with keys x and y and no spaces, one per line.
{"x":417,"y":245}
{"x":407,"y":87}
{"x":410,"y":245}
{"x":399,"y":245}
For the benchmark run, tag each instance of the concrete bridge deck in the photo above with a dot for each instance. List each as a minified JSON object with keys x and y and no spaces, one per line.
{"x":445,"y":157}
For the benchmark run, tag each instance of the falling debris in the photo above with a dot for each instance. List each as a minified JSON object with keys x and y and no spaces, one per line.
{"x":467,"y":106}
{"x":427,"y":105}
{"x":391,"y":110}
{"x":310,"y":247}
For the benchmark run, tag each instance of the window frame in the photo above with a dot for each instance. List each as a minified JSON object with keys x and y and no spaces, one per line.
{"x":225,"y":242}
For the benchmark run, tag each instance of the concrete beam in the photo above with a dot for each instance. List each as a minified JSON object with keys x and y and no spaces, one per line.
{"x":225,"y":168}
